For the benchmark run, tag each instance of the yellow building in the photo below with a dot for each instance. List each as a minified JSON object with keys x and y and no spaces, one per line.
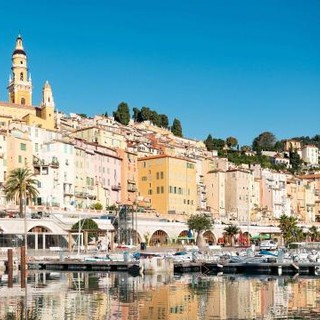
{"x":102,"y":135}
{"x":19,"y":150}
{"x":20,"y":106}
{"x":169,"y":182}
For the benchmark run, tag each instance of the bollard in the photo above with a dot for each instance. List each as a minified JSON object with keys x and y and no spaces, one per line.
{"x":10,"y":268}
{"x":23,"y":266}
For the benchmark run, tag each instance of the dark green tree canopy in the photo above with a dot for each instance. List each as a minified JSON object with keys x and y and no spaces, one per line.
{"x":295,"y":161}
{"x":176,"y":128}
{"x":265,"y":141}
{"x":160,"y":120}
{"x":290,"y":230}
{"x":164,"y":121}
{"x":199,"y":222}
{"x":231,"y":142}
{"x":87,"y":225}
{"x":214,"y":144}
{"x":122,"y":114}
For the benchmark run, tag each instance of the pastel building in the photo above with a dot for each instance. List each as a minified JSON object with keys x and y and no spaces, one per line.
{"x":238,"y":194}
{"x":169,"y":183}
{"x":54,"y":169}
{"x":274,"y":194}
{"x":129,"y":177}
{"x":310,"y":154}
{"x":302,"y":195}
{"x":108,"y":136}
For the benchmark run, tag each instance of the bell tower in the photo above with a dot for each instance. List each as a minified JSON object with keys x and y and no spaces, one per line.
{"x":47,"y":96}
{"x":20,"y":83}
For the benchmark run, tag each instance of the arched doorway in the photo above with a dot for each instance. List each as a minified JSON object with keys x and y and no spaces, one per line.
{"x":209,"y":237}
{"x":159,"y":237}
{"x":40,"y":237}
{"x":185,"y":237}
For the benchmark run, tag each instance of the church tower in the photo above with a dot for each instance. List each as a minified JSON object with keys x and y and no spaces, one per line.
{"x":47,"y":96}
{"x":20,"y":84}
{"x":47,"y":106}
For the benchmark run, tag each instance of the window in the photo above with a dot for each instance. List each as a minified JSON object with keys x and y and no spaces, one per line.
{"x":158,"y":190}
{"x":20,"y":159}
{"x":23,"y":147}
{"x":149,"y":192}
{"x":162,"y":189}
{"x":21,"y":76}
{"x":161,"y":175}
{"x":23,"y":101}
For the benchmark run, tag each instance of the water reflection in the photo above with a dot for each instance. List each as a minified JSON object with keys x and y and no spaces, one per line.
{"x":193,"y":296}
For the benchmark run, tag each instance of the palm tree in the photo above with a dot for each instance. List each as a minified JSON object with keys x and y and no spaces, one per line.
{"x":291,"y":232}
{"x":314,"y":233}
{"x":21,"y":186}
{"x":231,"y":231}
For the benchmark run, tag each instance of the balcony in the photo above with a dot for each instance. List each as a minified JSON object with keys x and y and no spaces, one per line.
{"x":132,"y":188}
{"x":67,"y":193}
{"x":54,"y":164}
{"x":116,"y":187}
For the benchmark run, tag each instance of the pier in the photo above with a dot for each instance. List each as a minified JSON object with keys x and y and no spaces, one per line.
{"x":205,"y":267}
{"x":73,"y":265}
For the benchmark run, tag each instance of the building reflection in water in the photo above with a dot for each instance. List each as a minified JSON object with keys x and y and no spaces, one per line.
{"x":120,"y":296}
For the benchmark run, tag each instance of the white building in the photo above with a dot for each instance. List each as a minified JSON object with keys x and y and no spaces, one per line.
{"x":310,"y":154}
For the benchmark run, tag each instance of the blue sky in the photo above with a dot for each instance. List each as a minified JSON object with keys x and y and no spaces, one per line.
{"x":229,"y":68}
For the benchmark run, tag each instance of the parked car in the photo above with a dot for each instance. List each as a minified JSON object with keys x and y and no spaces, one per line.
{"x":268,"y":245}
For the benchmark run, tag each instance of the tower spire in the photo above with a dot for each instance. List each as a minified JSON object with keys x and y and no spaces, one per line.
{"x":20,"y":86}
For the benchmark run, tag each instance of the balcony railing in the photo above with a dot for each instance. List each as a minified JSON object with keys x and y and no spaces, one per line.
{"x":116,"y":187}
{"x":132,"y":188}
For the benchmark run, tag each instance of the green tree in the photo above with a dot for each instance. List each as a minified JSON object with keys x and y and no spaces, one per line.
{"x":231,"y":142}
{"x":209,"y":143}
{"x":97,"y":206}
{"x":136,"y":113}
{"x":290,"y":231}
{"x":21,"y":186}
{"x":265,"y":141}
{"x":155,"y":119}
{"x":314,"y":233}
{"x":295,"y":161}
{"x":230,"y":232}
{"x":164,"y":122}
{"x":87,"y":225}
{"x":176,"y":128}
{"x":199,"y":223}
{"x":122,"y":114}
{"x":144,"y":115}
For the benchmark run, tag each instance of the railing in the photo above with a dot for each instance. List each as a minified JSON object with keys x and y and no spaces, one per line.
{"x":116,"y":187}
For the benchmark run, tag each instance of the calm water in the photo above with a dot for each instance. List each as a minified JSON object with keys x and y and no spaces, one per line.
{"x":193,"y":296}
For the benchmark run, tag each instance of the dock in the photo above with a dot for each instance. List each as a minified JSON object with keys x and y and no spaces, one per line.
{"x":266,"y":268}
{"x":132,"y":268}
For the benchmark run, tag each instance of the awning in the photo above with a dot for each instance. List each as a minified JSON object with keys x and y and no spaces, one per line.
{"x":264,"y":236}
